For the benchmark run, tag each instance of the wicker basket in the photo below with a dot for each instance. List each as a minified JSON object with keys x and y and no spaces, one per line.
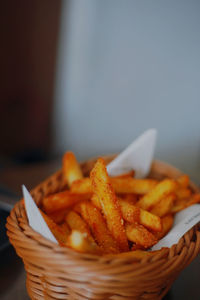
{"x":55,"y":272}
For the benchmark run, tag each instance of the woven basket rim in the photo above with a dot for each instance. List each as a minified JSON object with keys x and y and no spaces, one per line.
{"x":19,"y":224}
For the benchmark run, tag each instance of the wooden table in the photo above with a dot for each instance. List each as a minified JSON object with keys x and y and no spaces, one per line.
{"x":12,"y":275}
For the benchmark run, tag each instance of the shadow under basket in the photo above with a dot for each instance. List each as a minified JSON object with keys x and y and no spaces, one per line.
{"x":55,"y":272}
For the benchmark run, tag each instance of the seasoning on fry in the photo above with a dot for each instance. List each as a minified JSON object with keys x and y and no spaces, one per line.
{"x":162,"y":189}
{"x":140,"y":235}
{"x":103,"y":189}
{"x":97,"y":225}
{"x":62,"y":200}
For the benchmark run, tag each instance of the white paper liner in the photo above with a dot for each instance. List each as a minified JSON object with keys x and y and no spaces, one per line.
{"x":35,"y":218}
{"x":138,"y":156}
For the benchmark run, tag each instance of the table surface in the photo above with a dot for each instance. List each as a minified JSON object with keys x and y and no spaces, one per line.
{"x":12,"y":274}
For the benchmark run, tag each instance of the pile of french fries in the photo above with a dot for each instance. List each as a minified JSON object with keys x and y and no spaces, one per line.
{"x":111,"y":215}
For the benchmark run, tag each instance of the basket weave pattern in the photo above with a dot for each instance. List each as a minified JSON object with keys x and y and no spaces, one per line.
{"x":55,"y":272}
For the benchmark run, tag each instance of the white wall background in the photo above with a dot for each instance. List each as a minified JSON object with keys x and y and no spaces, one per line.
{"x":125,"y":66}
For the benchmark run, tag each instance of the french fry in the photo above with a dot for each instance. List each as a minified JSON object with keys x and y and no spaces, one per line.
{"x":82,"y":186}
{"x":193,"y":200}
{"x":71,"y":168}
{"x":132,"y":185}
{"x":120,"y":185}
{"x":183,"y":181}
{"x":167,"y":222}
{"x":95,"y":201}
{"x":140,"y":235}
{"x":77,"y":223}
{"x":131,"y":198}
{"x":178,"y":205}
{"x":126,"y":175}
{"x":65,"y":227}
{"x":58,"y":216}
{"x":110,"y":206}
{"x":133,"y":214}
{"x":183,"y":190}
{"x":79,"y":242}
{"x":62,"y":200}
{"x":181,"y":204}
{"x":60,"y":234}
{"x":164,"y":206}
{"x":162,"y":189}
{"x":97,"y":225}
{"x":183,"y":193}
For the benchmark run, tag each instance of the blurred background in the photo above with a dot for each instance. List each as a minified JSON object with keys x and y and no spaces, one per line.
{"x":90,"y":76}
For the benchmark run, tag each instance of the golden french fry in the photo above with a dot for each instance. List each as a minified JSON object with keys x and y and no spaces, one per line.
{"x":82,"y":186}
{"x":103,"y":189}
{"x":183,"y":193}
{"x":95,"y":201}
{"x":164,"y":206}
{"x":193,"y":200}
{"x":62,"y":200}
{"x":77,"y":223}
{"x":181,"y":204}
{"x":140,"y":235}
{"x":65,"y":227}
{"x":183,"y":190}
{"x":60,"y":235}
{"x":79,"y":242}
{"x":97,"y":225}
{"x":167,"y":222}
{"x":133,"y":214}
{"x":183,"y":181}
{"x":71,"y":168}
{"x":126,"y":175}
{"x":131,"y":198}
{"x":162,"y":189}
{"x":120,"y":185}
{"x":133,"y":185}
{"x":58,"y":216}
